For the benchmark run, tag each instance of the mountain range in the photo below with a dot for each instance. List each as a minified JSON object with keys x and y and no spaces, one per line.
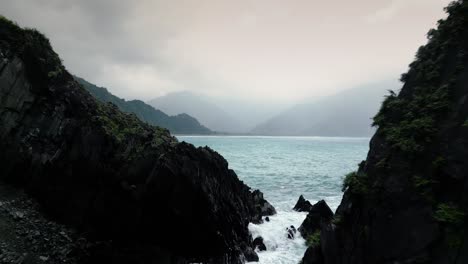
{"x":178,"y":124}
{"x":347,"y":113}
{"x":201,"y":107}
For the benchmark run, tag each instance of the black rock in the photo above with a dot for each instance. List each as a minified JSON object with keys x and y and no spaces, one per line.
{"x":291,"y":232}
{"x":318,"y":214}
{"x":250,"y":255}
{"x":263,"y":207}
{"x":313,"y":255}
{"x":302,"y":205}
{"x":115,"y":177}
{"x":258,"y":243}
{"x":398,"y":207}
{"x":267,"y":219}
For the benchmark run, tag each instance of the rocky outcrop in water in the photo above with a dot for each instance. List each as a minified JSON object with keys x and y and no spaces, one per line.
{"x":408,"y":202}
{"x":318,"y":214}
{"x":262,"y":206}
{"x":259,"y":244}
{"x":291,"y":232}
{"x":122,"y":182}
{"x":302,"y":205}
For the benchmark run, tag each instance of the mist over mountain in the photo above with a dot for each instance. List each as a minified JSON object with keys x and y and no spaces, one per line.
{"x":180,"y":123}
{"x":347,"y":113}
{"x":251,"y":113}
{"x":200,"y":107}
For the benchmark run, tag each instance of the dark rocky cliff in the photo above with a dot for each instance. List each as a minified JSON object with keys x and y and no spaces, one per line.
{"x":113,"y":177}
{"x":408,"y":202}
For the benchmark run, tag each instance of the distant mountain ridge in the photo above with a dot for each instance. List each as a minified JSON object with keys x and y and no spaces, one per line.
{"x":203,"y":109}
{"x":347,"y":113}
{"x":177,"y":124}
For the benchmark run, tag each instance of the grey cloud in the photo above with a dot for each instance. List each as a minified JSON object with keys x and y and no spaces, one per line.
{"x":263,"y":50}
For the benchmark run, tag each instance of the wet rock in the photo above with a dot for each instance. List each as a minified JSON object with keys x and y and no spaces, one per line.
{"x":258,"y":243}
{"x":302,"y":205}
{"x":291,"y":232}
{"x":267,"y":219}
{"x":263,"y":207}
{"x":250,"y":255}
{"x":319,"y":213}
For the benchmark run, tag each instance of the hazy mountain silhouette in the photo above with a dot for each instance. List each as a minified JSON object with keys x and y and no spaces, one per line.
{"x":179,"y":124}
{"x":347,"y":113}
{"x":200,"y":107}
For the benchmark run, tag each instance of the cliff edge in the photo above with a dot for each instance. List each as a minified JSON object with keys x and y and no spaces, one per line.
{"x":109,"y":175}
{"x":408,"y":202}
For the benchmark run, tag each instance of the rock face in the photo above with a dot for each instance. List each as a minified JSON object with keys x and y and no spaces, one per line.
{"x":148,"y":198}
{"x":408,"y":202}
{"x":264,"y":207}
{"x":319,"y":214}
{"x":302,"y":205}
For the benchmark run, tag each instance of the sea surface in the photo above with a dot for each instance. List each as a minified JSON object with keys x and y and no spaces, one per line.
{"x":283,"y":168}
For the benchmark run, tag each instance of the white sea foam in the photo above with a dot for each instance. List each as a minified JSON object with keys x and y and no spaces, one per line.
{"x":280,"y":249}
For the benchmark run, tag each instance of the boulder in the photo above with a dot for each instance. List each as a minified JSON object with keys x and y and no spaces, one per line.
{"x":258,"y":243}
{"x":263,"y":207}
{"x":291,"y":232}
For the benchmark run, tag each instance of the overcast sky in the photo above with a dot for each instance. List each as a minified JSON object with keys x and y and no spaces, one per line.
{"x":268,"y":50}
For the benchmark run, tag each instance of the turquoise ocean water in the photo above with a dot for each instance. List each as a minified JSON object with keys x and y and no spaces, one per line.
{"x":284,"y":168}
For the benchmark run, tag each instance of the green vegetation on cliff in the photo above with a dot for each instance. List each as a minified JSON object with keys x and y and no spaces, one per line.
{"x":313,"y":239}
{"x":409,"y":121}
{"x":46,"y":75}
{"x":356,"y":183}
{"x":414,"y":180}
{"x":414,"y":122}
{"x":450,"y":214}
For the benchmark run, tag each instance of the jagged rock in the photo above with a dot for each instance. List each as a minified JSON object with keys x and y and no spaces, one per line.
{"x":291,"y":232}
{"x":250,"y":255}
{"x":258,"y":243}
{"x":318,"y":214}
{"x":109,"y":174}
{"x":263,"y":206}
{"x":302,"y":205}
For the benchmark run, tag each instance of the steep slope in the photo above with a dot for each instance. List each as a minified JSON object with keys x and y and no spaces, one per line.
{"x":347,"y":113}
{"x":178,"y":124}
{"x":408,"y":202}
{"x":199,"y":107}
{"x":128,"y":186}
